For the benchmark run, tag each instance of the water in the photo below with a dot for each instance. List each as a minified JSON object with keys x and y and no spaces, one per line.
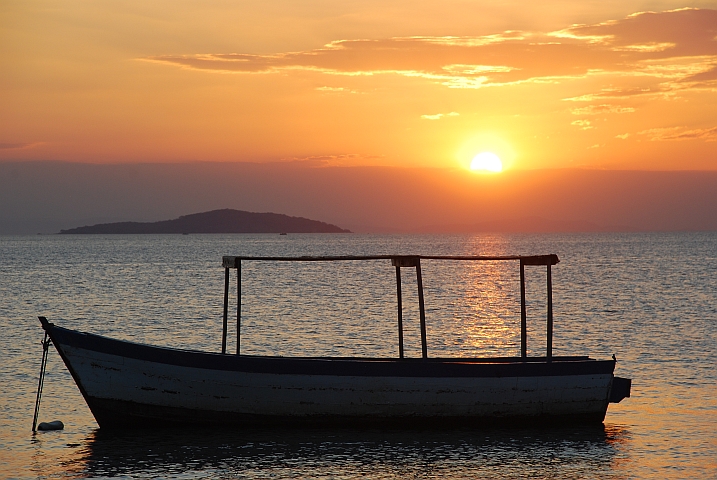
{"x":649,"y":298}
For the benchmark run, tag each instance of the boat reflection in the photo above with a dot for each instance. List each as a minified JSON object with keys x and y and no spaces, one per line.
{"x":559,"y":453}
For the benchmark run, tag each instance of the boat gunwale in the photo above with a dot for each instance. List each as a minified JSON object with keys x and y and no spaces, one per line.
{"x":564,"y":358}
{"x":382,"y":367}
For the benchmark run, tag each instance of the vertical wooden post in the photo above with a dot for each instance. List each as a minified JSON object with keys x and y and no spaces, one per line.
{"x":238,"y":265}
{"x":421,"y":308}
{"x":549,"y":341}
{"x":523,"y":314}
{"x":400,"y":311}
{"x":226,"y":307}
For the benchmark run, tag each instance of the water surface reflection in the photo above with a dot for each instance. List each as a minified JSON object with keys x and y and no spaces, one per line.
{"x":492,"y":453}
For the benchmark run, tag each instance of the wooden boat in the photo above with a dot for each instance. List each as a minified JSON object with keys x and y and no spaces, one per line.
{"x":128,"y":384}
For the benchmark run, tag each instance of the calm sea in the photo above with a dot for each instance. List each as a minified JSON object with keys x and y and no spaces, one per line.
{"x":650,"y":299}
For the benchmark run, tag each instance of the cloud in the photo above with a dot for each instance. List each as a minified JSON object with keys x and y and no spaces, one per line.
{"x":583,"y":124}
{"x":709,"y":134}
{"x":662,"y":90}
{"x":438,"y":116}
{"x":335,"y":90}
{"x":344,"y":159}
{"x":658,"y":49}
{"x":675,"y":33}
{"x":456,"y":63}
{"x":601,"y":110}
{"x":672,"y":133}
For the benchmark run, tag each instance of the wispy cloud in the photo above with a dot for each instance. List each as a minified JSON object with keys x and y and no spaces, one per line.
{"x":335,"y":90}
{"x":343,"y":159}
{"x":659,"y":49}
{"x":438,"y":116}
{"x":680,"y":133}
{"x":583,"y":124}
{"x":709,"y":134}
{"x":601,"y":110}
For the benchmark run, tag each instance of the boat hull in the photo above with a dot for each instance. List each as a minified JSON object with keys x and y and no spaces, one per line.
{"x":129,"y":385}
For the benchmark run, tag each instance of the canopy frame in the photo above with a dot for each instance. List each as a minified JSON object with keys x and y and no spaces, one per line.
{"x":405,"y":261}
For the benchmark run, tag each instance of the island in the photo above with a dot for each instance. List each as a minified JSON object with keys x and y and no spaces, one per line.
{"x":216,"y":221}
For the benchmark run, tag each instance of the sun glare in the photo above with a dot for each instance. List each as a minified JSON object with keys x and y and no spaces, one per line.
{"x":487,"y":161}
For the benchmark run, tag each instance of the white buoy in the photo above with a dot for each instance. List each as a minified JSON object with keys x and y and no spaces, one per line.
{"x":56,"y":425}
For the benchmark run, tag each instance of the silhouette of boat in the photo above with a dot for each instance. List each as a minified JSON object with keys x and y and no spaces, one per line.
{"x":127,"y":384}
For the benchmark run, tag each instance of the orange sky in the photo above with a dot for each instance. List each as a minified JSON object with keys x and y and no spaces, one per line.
{"x":555,"y":84}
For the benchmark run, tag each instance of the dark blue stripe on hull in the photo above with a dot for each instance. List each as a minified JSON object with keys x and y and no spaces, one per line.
{"x":335,"y":366}
{"x":117,"y":414}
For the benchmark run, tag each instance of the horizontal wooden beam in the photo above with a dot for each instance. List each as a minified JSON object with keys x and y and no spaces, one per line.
{"x":233,"y":261}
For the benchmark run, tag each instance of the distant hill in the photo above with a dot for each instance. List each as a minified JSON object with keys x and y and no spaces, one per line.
{"x":216,"y":221}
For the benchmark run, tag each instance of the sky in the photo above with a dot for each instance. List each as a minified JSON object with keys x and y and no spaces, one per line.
{"x":366,"y":114}
{"x":628,"y":85}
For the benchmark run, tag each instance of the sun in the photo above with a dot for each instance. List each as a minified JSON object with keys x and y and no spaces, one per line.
{"x":487,"y":161}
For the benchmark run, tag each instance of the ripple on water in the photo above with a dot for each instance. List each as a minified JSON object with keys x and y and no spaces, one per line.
{"x":649,"y":298}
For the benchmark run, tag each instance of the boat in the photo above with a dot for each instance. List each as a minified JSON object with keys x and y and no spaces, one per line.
{"x":128,"y":384}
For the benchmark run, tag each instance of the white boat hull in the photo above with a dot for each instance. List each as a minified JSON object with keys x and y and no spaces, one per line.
{"x":128,"y":384}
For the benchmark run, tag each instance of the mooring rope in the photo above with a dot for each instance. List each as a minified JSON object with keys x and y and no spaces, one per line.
{"x":45,"y":346}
